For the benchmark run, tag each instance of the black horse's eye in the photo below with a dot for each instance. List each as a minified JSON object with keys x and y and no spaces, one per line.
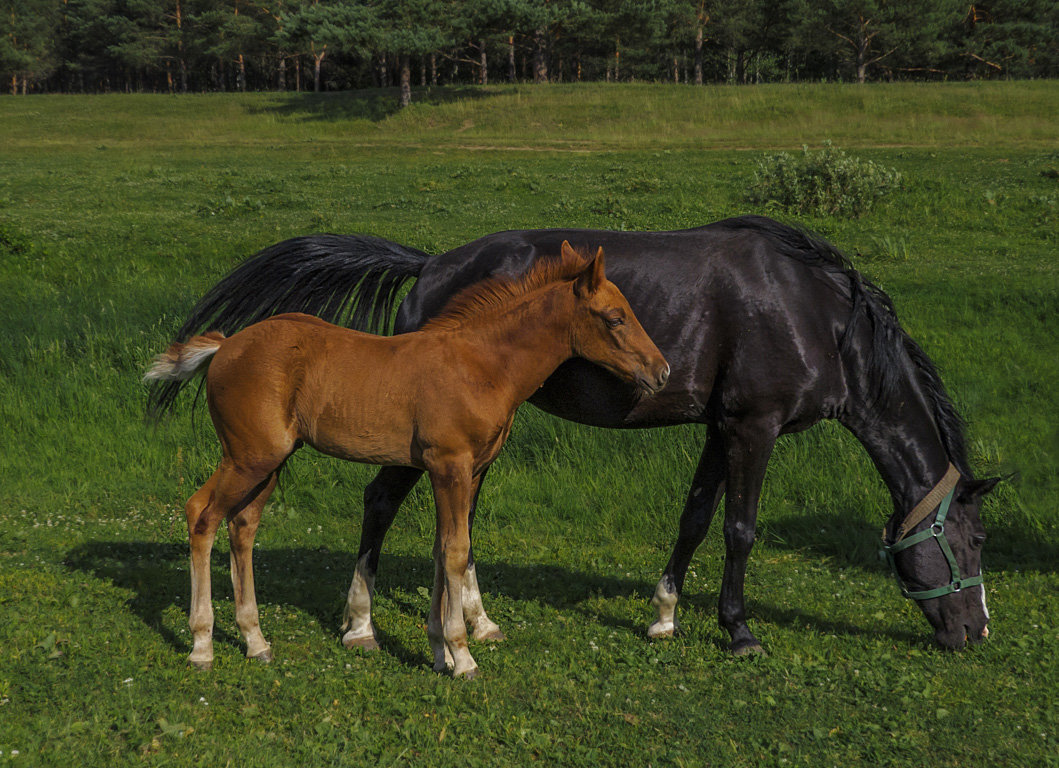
{"x":977,"y":540}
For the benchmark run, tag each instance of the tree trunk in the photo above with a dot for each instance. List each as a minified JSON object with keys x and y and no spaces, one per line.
{"x":383,"y":70}
{"x":406,"y":83}
{"x":282,"y":82}
{"x":433,"y":69}
{"x":14,"y":85}
{"x":698,"y":56}
{"x":540,"y":61}
{"x":484,"y":65}
{"x":423,"y":72}
{"x":617,"y":59}
{"x":240,"y":79}
{"x":676,"y":71}
{"x":511,"y":58}
{"x":298,"y":74}
{"x":318,"y":60}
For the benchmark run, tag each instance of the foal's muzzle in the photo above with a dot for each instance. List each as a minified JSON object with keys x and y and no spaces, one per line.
{"x":653,"y":383}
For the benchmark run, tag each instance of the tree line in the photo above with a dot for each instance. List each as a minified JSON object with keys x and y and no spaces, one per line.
{"x":92,"y":46}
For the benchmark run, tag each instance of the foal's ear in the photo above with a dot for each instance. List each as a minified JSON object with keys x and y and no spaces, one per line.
{"x":593,"y":276}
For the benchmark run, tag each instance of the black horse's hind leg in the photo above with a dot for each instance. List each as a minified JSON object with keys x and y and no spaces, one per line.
{"x":748,"y":448}
{"x":382,"y":499}
{"x":707,"y":487}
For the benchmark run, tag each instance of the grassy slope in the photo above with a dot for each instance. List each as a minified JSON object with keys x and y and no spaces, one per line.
{"x":118,"y":212}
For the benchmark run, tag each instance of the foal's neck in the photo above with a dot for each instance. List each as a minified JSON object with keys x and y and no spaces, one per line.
{"x":528,"y":340}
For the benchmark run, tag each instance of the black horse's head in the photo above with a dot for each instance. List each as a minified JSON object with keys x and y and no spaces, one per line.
{"x":940,"y":566}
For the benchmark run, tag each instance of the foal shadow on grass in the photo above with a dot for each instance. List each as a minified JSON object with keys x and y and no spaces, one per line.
{"x":315,"y":580}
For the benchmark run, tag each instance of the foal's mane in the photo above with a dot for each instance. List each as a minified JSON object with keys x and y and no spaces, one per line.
{"x":892,"y":350}
{"x":488,"y":297}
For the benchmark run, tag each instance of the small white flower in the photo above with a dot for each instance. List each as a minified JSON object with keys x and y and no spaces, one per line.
{"x":127,"y":681}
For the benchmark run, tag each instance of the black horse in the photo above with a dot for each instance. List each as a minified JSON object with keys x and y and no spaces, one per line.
{"x":767,"y":330}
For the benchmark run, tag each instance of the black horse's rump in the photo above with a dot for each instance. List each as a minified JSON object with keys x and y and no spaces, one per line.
{"x":767,"y":328}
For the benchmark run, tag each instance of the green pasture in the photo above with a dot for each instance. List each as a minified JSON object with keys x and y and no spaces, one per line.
{"x":117,"y":212}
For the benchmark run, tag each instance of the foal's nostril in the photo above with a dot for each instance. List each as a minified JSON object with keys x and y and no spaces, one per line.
{"x":663,"y":377}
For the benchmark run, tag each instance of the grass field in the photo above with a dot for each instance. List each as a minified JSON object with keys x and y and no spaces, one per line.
{"x":117,"y":212}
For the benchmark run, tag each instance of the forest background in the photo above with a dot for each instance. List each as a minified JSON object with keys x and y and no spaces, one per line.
{"x":91,"y":46}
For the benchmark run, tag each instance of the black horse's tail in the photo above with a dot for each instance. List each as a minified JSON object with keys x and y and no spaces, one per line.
{"x":352,"y":280}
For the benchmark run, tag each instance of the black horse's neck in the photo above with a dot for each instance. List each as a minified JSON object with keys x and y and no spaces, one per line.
{"x":902,"y":436}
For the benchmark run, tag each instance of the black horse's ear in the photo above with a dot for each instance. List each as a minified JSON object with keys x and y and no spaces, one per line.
{"x":974,"y":490}
{"x":594,"y":275}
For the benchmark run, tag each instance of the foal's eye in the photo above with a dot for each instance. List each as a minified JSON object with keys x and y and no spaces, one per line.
{"x":614,"y":322}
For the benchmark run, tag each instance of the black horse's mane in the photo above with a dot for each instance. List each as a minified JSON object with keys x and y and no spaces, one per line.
{"x":891,"y":349}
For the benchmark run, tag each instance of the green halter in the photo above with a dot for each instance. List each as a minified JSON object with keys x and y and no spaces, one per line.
{"x":937,"y":532}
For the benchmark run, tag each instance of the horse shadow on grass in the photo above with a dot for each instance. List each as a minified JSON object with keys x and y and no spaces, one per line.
{"x":314,"y":581}
{"x":857,"y":543}
{"x":373,"y":104}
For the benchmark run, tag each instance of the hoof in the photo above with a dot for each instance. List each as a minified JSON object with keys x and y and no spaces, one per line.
{"x":365,"y":643}
{"x":657,"y":631}
{"x":494,"y":636}
{"x":470,"y":674}
{"x":204,"y":666}
{"x":265,"y":657}
{"x":440,"y":667}
{"x":748,"y":649}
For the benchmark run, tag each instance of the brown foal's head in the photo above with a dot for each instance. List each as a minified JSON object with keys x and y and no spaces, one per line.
{"x":606,"y":331}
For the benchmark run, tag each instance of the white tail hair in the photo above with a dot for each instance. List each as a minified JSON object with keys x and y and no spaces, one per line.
{"x":182,"y":361}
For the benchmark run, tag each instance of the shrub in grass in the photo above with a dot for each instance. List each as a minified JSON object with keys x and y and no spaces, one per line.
{"x":827,"y":182}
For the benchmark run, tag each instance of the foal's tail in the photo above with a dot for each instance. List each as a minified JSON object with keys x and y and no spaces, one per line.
{"x":184,"y":359}
{"x":352,"y":280}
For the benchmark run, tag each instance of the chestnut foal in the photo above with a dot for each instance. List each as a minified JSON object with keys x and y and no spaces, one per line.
{"x":440,"y":399}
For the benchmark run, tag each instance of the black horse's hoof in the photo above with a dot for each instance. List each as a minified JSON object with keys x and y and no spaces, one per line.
{"x":747,"y":648}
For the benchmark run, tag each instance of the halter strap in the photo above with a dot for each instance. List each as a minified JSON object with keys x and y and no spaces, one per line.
{"x":940,"y":496}
{"x":929,"y":503}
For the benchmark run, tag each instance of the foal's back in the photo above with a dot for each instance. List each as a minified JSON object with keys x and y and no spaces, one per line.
{"x":294,"y":378}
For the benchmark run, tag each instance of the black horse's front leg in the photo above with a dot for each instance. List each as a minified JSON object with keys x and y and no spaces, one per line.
{"x":748,"y":448}
{"x":707,"y":487}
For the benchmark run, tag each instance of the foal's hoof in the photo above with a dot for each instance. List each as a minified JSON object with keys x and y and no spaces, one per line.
{"x":659,"y":630}
{"x":751,"y":648}
{"x":204,"y":666}
{"x":470,"y":674}
{"x":265,"y":657}
{"x":365,"y":643}
{"x":493,"y":636}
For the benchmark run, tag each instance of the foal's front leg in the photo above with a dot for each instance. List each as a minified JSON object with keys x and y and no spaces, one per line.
{"x":453,"y":490}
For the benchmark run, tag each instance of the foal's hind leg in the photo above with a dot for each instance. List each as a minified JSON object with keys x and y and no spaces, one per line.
{"x":707,"y":487}
{"x":242,"y":527}
{"x":226,"y":492}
